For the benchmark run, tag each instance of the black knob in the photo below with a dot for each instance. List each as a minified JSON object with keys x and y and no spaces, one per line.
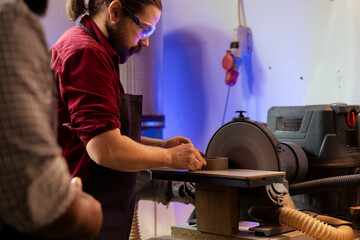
{"x":241,"y":115}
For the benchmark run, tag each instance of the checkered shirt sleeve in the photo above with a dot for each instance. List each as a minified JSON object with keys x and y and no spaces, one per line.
{"x":34,"y":178}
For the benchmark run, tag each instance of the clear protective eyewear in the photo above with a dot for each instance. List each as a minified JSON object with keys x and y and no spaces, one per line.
{"x":147,"y":29}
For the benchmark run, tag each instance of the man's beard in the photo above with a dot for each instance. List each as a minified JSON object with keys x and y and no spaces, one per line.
{"x":116,"y":40}
{"x":37,"y":6}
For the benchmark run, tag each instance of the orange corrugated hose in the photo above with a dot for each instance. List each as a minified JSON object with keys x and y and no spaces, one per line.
{"x":313,"y":227}
{"x":135,"y":228}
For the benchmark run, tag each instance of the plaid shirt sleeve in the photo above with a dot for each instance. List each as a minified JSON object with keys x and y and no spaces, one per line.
{"x":34,"y":178}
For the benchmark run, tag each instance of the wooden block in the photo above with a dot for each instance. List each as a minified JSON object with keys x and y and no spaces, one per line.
{"x":216,"y":163}
{"x":217,"y":209}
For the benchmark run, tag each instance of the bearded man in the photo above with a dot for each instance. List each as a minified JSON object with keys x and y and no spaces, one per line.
{"x":99,"y":124}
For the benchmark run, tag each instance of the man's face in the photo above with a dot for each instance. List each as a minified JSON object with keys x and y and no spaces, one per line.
{"x":125,"y":38}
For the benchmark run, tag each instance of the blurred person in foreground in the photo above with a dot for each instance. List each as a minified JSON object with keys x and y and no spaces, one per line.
{"x":99,"y":124}
{"x":38,"y":200}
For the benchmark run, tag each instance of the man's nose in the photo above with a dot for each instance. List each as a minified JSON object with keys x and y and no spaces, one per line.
{"x":144,"y":42}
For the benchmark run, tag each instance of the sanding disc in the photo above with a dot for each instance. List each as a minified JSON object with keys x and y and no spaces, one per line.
{"x":246,"y":146}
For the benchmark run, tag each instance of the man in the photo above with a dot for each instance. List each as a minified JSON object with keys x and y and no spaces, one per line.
{"x":37,"y":199}
{"x":99,"y":125}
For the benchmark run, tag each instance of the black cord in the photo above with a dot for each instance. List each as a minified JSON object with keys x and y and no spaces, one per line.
{"x":226,"y":103}
{"x":188,"y":191}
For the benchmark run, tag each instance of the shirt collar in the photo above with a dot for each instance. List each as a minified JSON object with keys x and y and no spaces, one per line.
{"x":99,"y":37}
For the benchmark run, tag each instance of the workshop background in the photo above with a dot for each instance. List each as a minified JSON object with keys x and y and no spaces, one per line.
{"x":302,"y":52}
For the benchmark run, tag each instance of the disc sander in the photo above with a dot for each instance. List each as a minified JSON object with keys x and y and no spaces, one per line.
{"x":246,"y":146}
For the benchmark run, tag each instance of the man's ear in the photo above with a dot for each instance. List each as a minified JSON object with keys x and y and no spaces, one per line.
{"x":114,"y":10}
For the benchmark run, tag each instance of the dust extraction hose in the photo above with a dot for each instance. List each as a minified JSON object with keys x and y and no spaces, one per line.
{"x":135,"y":227}
{"x":324,"y":184}
{"x":313,"y":227}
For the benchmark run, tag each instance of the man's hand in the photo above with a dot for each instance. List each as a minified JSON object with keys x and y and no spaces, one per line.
{"x":86,"y":212}
{"x":186,"y":156}
{"x":82,"y":220}
{"x":175,"y":141}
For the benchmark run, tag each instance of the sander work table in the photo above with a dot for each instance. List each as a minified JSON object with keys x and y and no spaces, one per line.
{"x":217,"y":201}
{"x":245,"y":178}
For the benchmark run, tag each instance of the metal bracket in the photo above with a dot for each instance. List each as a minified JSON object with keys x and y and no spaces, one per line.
{"x":279,"y":195}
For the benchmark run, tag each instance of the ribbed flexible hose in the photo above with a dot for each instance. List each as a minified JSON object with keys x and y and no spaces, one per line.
{"x":135,"y":228}
{"x":313,"y":227}
{"x":324,"y":184}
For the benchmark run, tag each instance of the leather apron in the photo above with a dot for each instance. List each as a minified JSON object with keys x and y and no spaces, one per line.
{"x":116,"y":190}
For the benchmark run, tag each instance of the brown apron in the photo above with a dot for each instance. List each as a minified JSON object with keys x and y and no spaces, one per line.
{"x":116,"y":190}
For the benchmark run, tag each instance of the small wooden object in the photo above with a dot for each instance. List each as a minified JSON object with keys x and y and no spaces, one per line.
{"x":216,"y":163}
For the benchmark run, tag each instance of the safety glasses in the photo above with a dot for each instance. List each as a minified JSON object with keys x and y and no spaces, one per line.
{"x":147,"y":29}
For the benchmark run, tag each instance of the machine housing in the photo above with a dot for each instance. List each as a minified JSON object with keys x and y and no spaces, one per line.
{"x":329,"y":136}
